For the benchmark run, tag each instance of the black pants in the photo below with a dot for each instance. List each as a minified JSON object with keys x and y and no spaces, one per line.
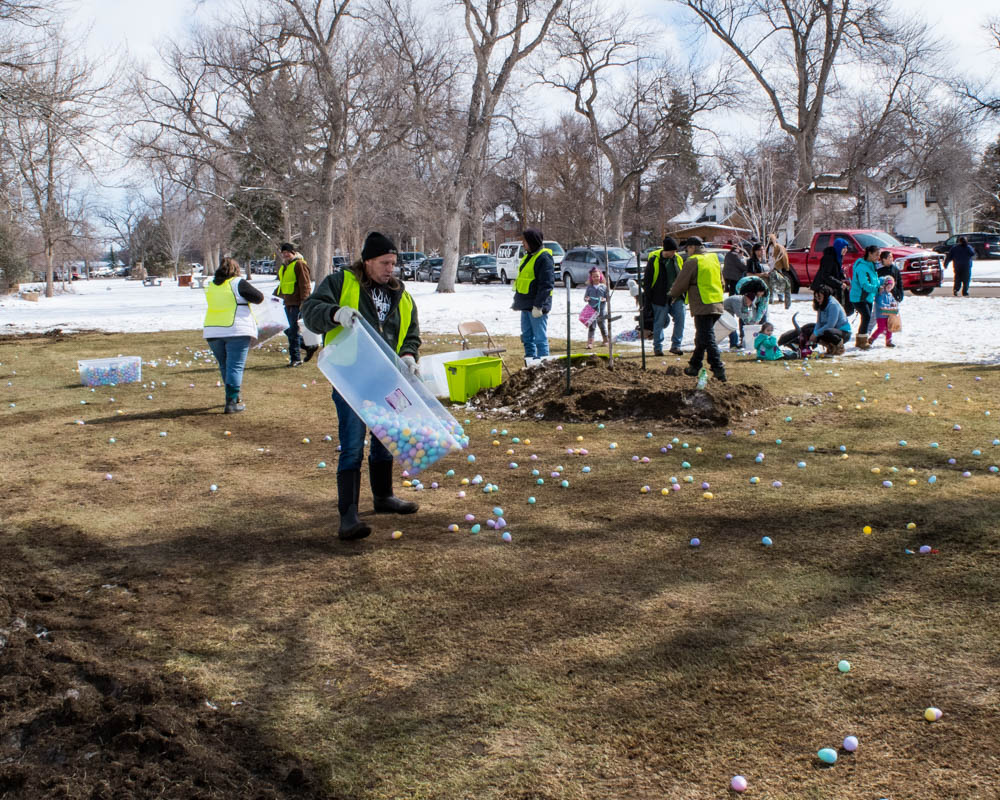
{"x":731,"y":287}
{"x":963,"y":275}
{"x":865,"y":310}
{"x":834,"y":336}
{"x":704,"y":342}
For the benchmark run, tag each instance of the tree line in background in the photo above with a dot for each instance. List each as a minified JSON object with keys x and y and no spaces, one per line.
{"x":315,"y":121}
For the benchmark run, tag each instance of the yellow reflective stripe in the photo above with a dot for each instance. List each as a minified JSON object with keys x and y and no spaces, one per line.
{"x":286,"y":277}
{"x":656,"y":266}
{"x":221,"y":311}
{"x":350,"y":296}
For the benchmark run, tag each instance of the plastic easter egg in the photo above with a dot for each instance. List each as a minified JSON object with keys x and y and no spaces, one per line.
{"x":645,"y":459}
{"x":503,"y":432}
{"x":685,"y":465}
{"x":111,"y":440}
{"x":843,"y":448}
{"x":932,"y":714}
{"x":886,"y":484}
{"x":851,"y":743}
{"x":397,"y":534}
{"x":461,"y":495}
{"x":759,"y":459}
{"x":925,"y":549}
{"x":675,"y":440}
{"x":705,"y":485}
{"x":766,"y":541}
{"x":932,"y":479}
{"x":776,"y":484}
{"x":902,"y":442}
{"x":540,"y":481}
{"x":754,"y":480}
{"x":531,"y":501}
{"x":471,"y":459}
{"x":635,"y":458}
{"x":876,"y":470}
{"x":976,"y":452}
{"x":675,"y":487}
{"x":911,"y":482}
{"x":729,"y":456}
{"x":501,"y":523}
{"x":108,"y":476}
{"x":664,"y":492}
{"x":564,"y":484}
{"x":707,"y":495}
{"x":952,"y":461}
{"x":777,"y":441}
{"x":213,"y":488}
{"x":328,"y":438}
{"x":558,"y":427}
{"x":450,"y":473}
{"x":738,"y":783}
{"x":811,"y":449}
{"x":844,"y":666}
{"x":867,"y":530}
{"x":505,"y":536}
{"x":463,"y":482}
{"x":695,"y":542}
{"x":527,"y":441}
{"x":321,"y":465}
{"x":600,"y":426}
{"x":470,"y":517}
{"x":644,"y":490}
{"x":994,"y":469}
{"x":613,"y":446}
{"x":453,"y":527}
{"x":689,"y":479}
{"x":515,"y":440}
{"x":585,"y":470}
{"x":163,"y":433}
{"x":966,"y":474}
{"x":306,"y":440}
{"x":801,"y":465}
{"x":512,"y":465}
{"x":753,"y":432}
{"x":827,"y":755}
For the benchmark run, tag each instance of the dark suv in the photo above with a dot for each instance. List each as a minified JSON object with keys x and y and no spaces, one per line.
{"x":986,"y":245}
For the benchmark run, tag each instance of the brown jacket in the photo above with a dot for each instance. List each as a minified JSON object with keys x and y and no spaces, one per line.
{"x":780,"y":255}
{"x":687,"y":281}
{"x":303,"y":284}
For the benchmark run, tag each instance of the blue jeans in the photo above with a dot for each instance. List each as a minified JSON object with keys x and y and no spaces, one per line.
{"x":231,"y":353}
{"x":351,"y":432}
{"x":534,"y":335}
{"x":292,"y":332}
{"x":660,"y":313}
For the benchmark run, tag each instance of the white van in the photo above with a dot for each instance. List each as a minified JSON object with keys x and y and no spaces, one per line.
{"x":509,"y":255}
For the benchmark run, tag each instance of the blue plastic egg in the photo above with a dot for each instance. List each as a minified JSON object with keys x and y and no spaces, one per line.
{"x":827,"y":755}
{"x":766,"y":541}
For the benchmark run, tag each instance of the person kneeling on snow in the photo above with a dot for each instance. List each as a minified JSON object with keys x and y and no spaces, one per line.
{"x":766,"y":345}
{"x":832,"y":329}
{"x":367,"y":289}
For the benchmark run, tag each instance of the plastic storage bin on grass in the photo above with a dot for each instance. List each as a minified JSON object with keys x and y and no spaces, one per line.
{"x":469,"y":375}
{"x":726,"y":325}
{"x":749,"y":334}
{"x":271,"y":319}
{"x":110,"y":371}
{"x":400,"y":411}
{"x":432,"y":371}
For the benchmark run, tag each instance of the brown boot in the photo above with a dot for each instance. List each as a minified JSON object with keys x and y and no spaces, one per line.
{"x":861,"y":341}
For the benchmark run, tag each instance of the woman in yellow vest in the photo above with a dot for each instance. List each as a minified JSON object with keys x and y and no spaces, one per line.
{"x":230,"y":327}
{"x":533,"y":295}
{"x":369,"y":289}
{"x":701,"y":280}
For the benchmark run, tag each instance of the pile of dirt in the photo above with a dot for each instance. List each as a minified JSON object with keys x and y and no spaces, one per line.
{"x":624,"y":392}
{"x":80,"y":718}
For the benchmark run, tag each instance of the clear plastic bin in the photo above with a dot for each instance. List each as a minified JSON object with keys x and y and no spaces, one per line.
{"x":399,"y":410}
{"x":271,"y":319}
{"x":110,"y":371}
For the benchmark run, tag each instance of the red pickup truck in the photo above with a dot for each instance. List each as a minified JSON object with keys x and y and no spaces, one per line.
{"x":921,"y":268}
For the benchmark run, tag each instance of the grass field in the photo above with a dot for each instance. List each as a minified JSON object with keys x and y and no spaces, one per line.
{"x":598,"y":655}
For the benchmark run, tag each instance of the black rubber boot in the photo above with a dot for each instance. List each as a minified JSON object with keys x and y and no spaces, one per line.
{"x":310,"y":352}
{"x":380,"y":473}
{"x":348,"y":489}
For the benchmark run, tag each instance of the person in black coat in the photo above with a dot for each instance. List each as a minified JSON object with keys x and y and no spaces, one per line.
{"x":886,"y":268}
{"x":533,"y":295}
{"x":961,"y":256}
{"x":755,"y":264}
{"x":831,"y":273}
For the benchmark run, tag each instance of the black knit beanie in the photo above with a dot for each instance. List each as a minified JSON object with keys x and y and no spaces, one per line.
{"x":669,"y":243}
{"x":377,"y":244}
{"x":287,"y":247}
{"x":533,"y":238}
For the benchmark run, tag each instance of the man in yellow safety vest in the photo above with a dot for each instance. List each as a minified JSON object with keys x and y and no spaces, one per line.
{"x":701,"y":280}
{"x":294,"y":286}
{"x":533,"y":295}
{"x":662,"y":270}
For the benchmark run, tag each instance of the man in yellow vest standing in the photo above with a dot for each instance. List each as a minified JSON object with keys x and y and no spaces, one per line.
{"x":533,"y":295}
{"x":701,"y":280}
{"x":294,"y":285}
{"x":662,"y":270}
{"x":368,"y":289}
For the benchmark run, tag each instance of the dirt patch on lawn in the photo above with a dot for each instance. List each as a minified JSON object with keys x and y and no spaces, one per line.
{"x":625,"y":392}
{"x":82,"y":719}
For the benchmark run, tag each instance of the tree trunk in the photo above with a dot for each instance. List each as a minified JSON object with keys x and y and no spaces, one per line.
{"x":49,"y":259}
{"x":805,"y":206}
{"x":452,"y":240}
{"x":324,"y":251}
{"x":476,"y":223}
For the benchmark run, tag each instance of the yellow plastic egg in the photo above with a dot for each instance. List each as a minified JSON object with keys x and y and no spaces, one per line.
{"x":867,"y":530}
{"x":911,"y":526}
{"x":397,"y":534}
{"x":697,"y":449}
{"x":496,"y":442}
{"x":527,"y":441}
{"x":911,"y":482}
{"x":407,"y":483}
{"x":876,"y":470}
{"x":664,"y":492}
{"x":464,"y":481}
{"x":579,"y":438}
{"x":708,"y":495}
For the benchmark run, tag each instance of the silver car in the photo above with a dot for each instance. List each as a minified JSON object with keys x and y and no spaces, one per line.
{"x":620,"y":266}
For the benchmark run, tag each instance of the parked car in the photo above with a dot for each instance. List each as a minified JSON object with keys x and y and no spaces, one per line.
{"x":480,"y":267}
{"x":912,"y":241}
{"x":575,"y":267}
{"x":509,"y":256}
{"x":919,"y":267}
{"x":986,"y":245}
{"x":406,"y":263}
{"x":429,"y":269}
{"x":339,"y":262}
{"x":262,"y":266}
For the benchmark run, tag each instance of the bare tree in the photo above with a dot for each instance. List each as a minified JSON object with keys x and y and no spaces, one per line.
{"x":982,"y":99}
{"x":765,"y":190}
{"x":501,"y":33}
{"x":177,"y":218}
{"x":794,"y":51}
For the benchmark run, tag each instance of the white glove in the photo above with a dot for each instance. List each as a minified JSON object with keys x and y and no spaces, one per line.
{"x":633,"y":288}
{"x":536,"y":312}
{"x":409,"y":365}
{"x":346,"y":316}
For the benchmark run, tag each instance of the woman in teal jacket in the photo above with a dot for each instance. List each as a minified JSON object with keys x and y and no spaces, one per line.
{"x":864,"y":285}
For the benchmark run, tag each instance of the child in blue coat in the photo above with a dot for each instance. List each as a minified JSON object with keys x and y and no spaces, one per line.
{"x":886,"y":307}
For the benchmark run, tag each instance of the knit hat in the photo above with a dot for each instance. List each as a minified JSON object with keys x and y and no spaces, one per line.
{"x":888,"y":281}
{"x":287,"y":247}
{"x":693,"y":241}
{"x":377,"y":244}
{"x":669,"y":243}
{"x":533,"y":237}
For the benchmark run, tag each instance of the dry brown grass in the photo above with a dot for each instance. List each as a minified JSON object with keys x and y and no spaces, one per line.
{"x":596,"y":656}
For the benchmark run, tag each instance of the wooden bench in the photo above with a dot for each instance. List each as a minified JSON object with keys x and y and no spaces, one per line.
{"x":152,"y":281}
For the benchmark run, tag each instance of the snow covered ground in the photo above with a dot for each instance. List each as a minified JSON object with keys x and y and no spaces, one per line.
{"x":936,"y":328}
